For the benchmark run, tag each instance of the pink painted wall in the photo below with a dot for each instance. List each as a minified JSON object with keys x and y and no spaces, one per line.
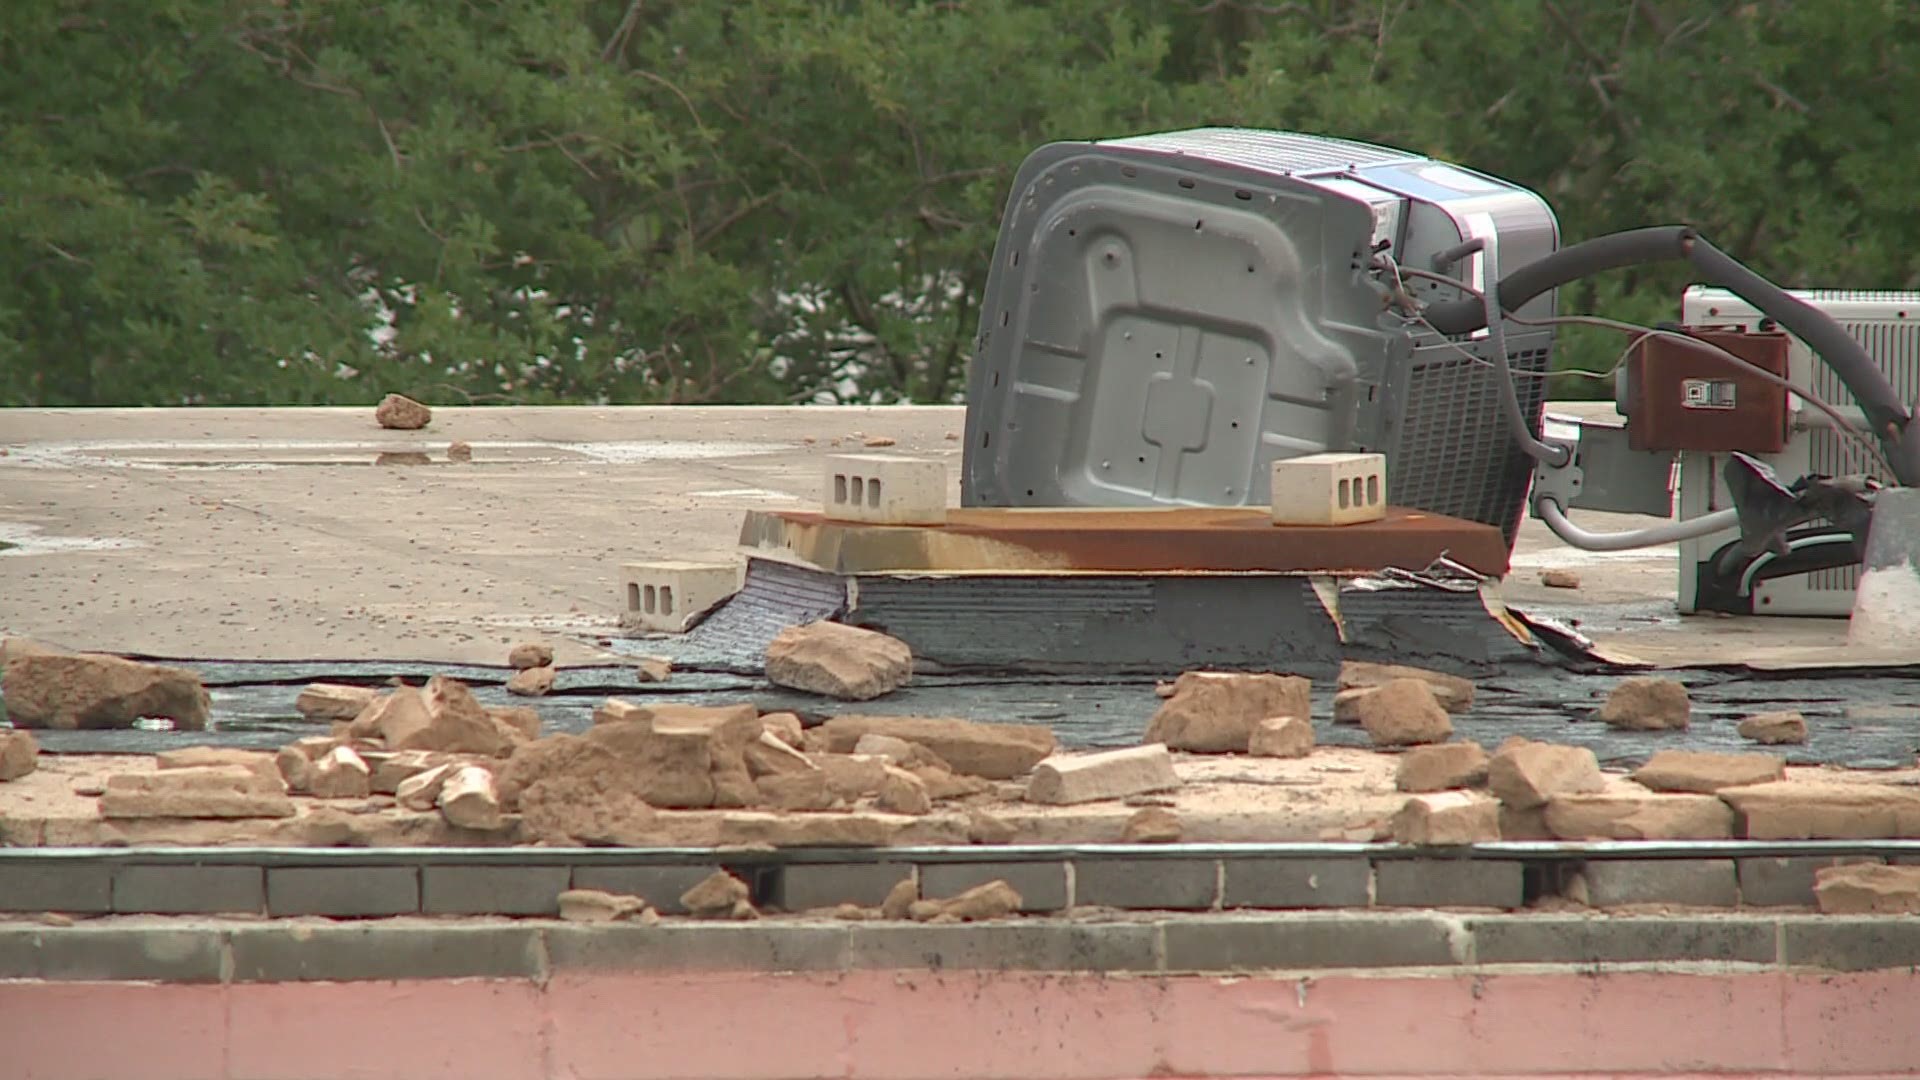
{"x":912,"y":1025}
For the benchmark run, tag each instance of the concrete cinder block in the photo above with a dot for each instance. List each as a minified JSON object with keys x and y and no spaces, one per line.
{"x":415,"y":949}
{"x":1783,"y":881}
{"x":1004,"y":946}
{"x":1042,"y":885}
{"x":1357,"y":939}
{"x":806,"y":886}
{"x":1330,"y":489}
{"x":1146,"y":884}
{"x":189,"y":890}
{"x":493,"y":890}
{"x":85,"y":953}
{"x":37,"y":886}
{"x":717,"y":946}
{"x":660,"y":886}
{"x":343,"y":891}
{"x":885,"y":489}
{"x":1448,"y":883}
{"x":1620,"y":939}
{"x":1296,"y":883}
{"x":1696,"y":882}
{"x":1849,"y":942}
{"x":669,"y":597}
{"x":19,"y":950}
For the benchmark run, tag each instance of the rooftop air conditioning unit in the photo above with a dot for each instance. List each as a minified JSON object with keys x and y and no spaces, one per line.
{"x":1168,"y":315}
{"x":1887,"y":325}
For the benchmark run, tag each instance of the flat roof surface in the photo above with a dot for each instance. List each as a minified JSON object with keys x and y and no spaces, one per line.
{"x":279,"y":533}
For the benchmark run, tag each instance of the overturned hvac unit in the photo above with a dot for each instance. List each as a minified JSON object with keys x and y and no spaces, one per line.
{"x":1186,"y":337}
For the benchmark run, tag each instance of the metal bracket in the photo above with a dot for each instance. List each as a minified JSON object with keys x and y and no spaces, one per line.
{"x":1603,"y":472}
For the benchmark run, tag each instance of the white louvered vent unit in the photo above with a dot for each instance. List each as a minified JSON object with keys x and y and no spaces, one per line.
{"x":1887,"y":325}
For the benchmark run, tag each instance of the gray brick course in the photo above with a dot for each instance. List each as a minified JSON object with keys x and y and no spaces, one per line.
{"x":698,"y":947}
{"x":493,"y":890}
{"x":1593,"y":939}
{"x":1042,"y":885}
{"x":79,"y":888}
{"x":1448,"y":883}
{"x":1146,"y":884}
{"x":1005,"y":946}
{"x":343,"y":891}
{"x":805,"y":886}
{"x":1782,"y":881}
{"x":189,"y":890}
{"x":1299,"y":940}
{"x":1850,"y":943}
{"x":661,"y":885}
{"x":1296,"y":883}
{"x":412,"y":949}
{"x":1694,"y":882}
{"x":111,"y":953}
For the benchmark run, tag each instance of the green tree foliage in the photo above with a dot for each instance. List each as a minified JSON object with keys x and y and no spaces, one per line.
{"x":315,"y":201}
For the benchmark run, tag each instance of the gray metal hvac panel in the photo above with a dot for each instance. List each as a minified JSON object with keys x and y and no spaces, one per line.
{"x":1169,"y":314}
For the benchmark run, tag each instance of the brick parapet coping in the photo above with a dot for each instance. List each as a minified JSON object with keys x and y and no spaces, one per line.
{"x":201,"y":950}
{"x":525,"y":882}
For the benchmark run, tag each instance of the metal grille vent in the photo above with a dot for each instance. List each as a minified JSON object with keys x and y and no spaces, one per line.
{"x":1455,"y":455}
{"x":1896,"y":345}
{"x":1856,"y":296}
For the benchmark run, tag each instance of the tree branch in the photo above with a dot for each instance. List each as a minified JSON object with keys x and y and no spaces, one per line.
{"x":618,"y":40}
{"x":1781,"y":98}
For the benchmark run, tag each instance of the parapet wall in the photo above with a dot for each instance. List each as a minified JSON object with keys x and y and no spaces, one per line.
{"x":1273,"y":994}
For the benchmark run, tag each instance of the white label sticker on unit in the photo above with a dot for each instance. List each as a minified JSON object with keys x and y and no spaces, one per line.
{"x":1706,"y":394}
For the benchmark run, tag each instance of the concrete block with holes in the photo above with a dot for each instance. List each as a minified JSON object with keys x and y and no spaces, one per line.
{"x":885,"y":489}
{"x":670,"y":596}
{"x":1330,"y":489}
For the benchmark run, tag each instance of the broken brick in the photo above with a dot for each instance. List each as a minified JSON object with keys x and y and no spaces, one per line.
{"x":992,"y":751}
{"x":1775,"y":728}
{"x":19,"y":754}
{"x":1623,"y":815}
{"x":339,"y":774}
{"x":1404,"y":712}
{"x":1704,"y":773}
{"x":1281,"y":737}
{"x":1647,"y":703}
{"x":1454,"y":693}
{"x":1524,"y":774}
{"x":333,"y":701}
{"x":1110,"y":774}
{"x":1446,"y":819}
{"x":1215,"y":712}
{"x":1867,"y":889}
{"x":530,"y":654}
{"x":1441,"y":766}
{"x":468,"y":799}
{"x":838,"y":661}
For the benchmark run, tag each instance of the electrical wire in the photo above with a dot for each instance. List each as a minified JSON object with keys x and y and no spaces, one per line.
{"x":1400,"y":283}
{"x":1556,"y":519}
{"x":1845,"y":425}
{"x":1553,"y":455}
